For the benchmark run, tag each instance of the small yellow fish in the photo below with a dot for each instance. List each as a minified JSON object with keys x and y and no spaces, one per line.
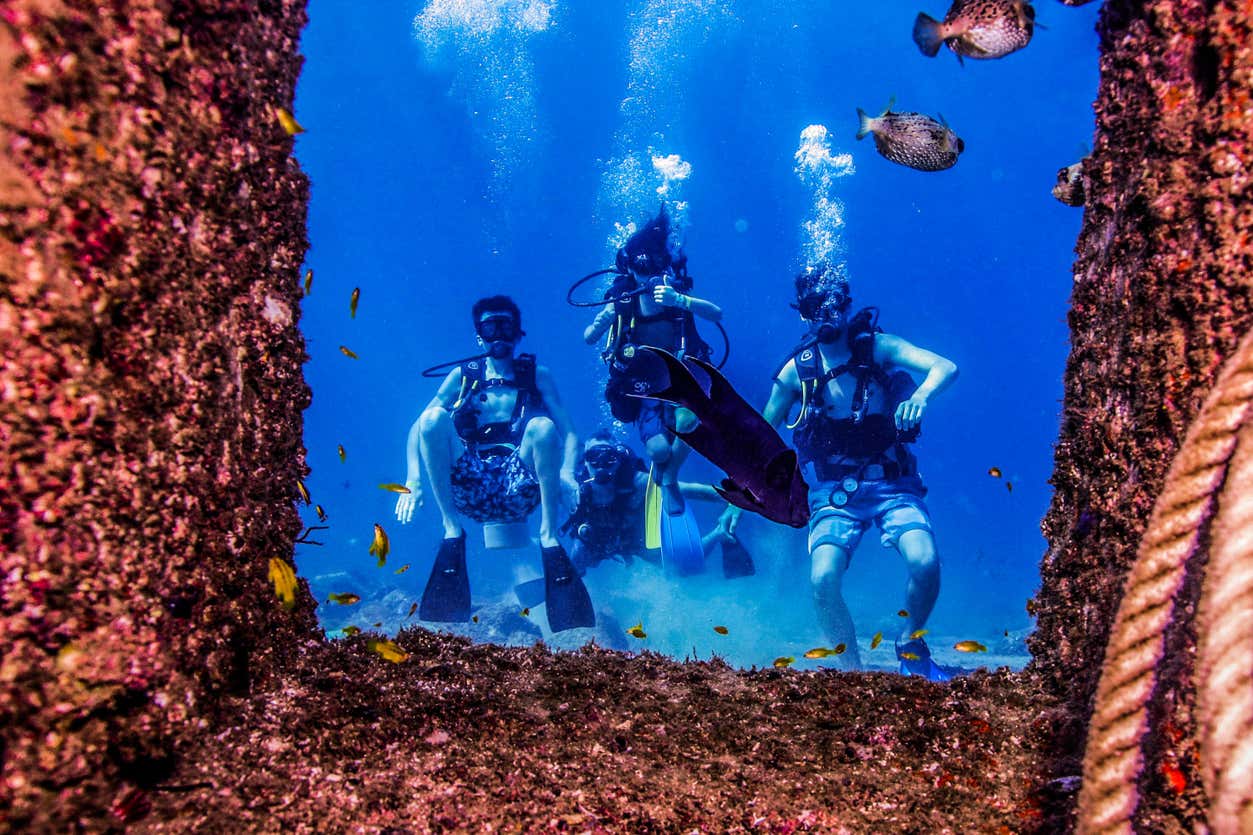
{"x":721,"y":630}
{"x":839,"y":649}
{"x":318,"y":509}
{"x":903,"y":613}
{"x":290,"y":126}
{"x":352,"y":302}
{"x":918,"y":633}
{"x":393,"y":487}
{"x":995,"y":472}
{"x":402,"y":569}
{"x":308,"y":281}
{"x":377,"y":624}
{"x":284,"y":580}
{"x":343,"y":456}
{"x":348,"y":352}
{"x":351,"y":630}
{"x":876,"y":640}
{"x":526,"y":613}
{"x":304,"y":491}
{"x":413,"y":608}
{"x":637,"y":631}
{"x":1033,"y":608}
{"x":102,"y":153}
{"x":911,"y":656}
{"x":344,"y":599}
{"x":381,"y":546}
{"x":969,"y":646}
{"x":818,"y":652}
{"x":387,"y":650}
{"x":784,"y":661}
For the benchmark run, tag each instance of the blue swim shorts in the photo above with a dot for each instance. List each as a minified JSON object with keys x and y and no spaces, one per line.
{"x":896,"y":506}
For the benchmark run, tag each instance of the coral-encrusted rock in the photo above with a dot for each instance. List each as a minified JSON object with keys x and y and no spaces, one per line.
{"x":1163,"y":291}
{"x":148,"y":448}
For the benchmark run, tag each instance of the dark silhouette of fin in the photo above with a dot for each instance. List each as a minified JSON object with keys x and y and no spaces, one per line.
{"x":569,"y":605}
{"x":736,"y":561}
{"x":446,"y":598}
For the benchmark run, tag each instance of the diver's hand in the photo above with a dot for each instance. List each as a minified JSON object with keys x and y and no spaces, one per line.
{"x":669,"y":297}
{"x":730,"y":519}
{"x":406,"y":502}
{"x":909,"y":413}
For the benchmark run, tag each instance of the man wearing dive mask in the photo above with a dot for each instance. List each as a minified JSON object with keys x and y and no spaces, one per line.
{"x":860,"y":408}
{"x":497,"y":443}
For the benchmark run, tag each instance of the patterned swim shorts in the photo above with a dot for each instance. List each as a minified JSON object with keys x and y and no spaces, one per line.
{"x":494,"y":485}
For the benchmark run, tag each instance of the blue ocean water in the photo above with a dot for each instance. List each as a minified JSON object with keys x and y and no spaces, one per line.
{"x":462,"y":148}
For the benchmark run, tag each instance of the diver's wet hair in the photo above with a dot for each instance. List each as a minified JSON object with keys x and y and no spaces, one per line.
{"x":648,"y":250}
{"x":816,"y":284}
{"x":496,"y":304}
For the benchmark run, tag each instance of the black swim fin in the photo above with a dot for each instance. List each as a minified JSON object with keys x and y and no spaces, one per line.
{"x":736,"y":561}
{"x":569,"y":605}
{"x":446,"y":598}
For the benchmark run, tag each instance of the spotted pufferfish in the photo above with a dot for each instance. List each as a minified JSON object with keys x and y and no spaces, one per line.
{"x":977,"y":28}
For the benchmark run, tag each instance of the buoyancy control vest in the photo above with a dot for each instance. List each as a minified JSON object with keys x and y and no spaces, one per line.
{"x":528,"y":403}
{"x":864,"y":437}
{"x":671,"y":329}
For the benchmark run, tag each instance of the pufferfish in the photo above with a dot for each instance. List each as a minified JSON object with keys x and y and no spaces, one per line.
{"x":912,"y":139}
{"x":977,"y":28}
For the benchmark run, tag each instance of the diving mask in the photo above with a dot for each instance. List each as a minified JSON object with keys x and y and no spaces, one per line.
{"x":604,"y":461}
{"x":500,"y":333}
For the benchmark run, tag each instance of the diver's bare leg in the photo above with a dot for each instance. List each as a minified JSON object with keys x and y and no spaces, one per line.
{"x":440,"y":445}
{"x":922,"y":560}
{"x":541,"y":451}
{"x":829,"y":563}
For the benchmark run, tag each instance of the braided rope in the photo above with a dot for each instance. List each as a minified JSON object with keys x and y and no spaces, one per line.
{"x":1112,"y":761}
{"x":1225,"y":652}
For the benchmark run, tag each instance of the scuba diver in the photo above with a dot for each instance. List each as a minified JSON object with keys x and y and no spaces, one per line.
{"x":497,"y":443}
{"x":650,"y":304}
{"x":609,"y":522}
{"x":859,"y":411}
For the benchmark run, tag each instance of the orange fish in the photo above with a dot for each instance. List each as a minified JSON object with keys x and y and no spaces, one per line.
{"x":995,"y":472}
{"x":343,"y":456}
{"x":348,"y":352}
{"x":783,"y":661}
{"x":918,"y":633}
{"x":381,"y":546}
{"x":321,"y":512}
{"x":352,"y":302}
{"x":876,"y":640}
{"x":903,"y":613}
{"x":402,"y":569}
{"x":344,"y":599}
{"x":308,"y":281}
{"x":721,"y":630}
{"x":412,"y":609}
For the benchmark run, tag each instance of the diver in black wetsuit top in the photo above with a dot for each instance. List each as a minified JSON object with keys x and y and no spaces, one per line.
{"x":860,"y":408}
{"x":497,"y":443}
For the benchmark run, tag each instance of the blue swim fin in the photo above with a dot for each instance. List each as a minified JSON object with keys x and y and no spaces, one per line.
{"x":681,"y":548}
{"x":919,"y":661}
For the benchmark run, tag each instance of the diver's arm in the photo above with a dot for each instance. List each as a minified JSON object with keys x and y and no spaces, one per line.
{"x":599,"y":325}
{"x":565,"y":428}
{"x":702,"y":492}
{"x":443,"y":399}
{"x":669,"y":297}
{"x":939,"y":374}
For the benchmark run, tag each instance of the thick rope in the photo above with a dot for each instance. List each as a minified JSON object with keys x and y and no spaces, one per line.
{"x":1224,"y":666}
{"x":1113,"y":759}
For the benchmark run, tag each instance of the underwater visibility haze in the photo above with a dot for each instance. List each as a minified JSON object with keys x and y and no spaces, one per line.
{"x":463,"y":149}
